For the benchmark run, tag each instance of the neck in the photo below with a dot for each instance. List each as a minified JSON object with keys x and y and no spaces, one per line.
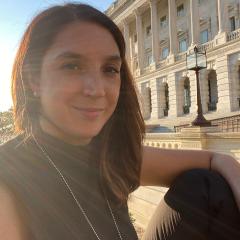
{"x":52,"y":129}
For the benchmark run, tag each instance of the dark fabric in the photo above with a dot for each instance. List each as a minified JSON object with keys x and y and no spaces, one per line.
{"x":198,"y":206}
{"x":47,"y":209}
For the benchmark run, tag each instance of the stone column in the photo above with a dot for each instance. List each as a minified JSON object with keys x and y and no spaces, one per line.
{"x":222,"y":10}
{"x":146,"y":98}
{"x":139,"y":29}
{"x":131,"y":53}
{"x":155,"y":35}
{"x":223,"y":84}
{"x":194,"y":22}
{"x":238,"y":14}
{"x":172,"y":95}
{"x":127,"y":40}
{"x":172,"y":15}
{"x":221,"y":37}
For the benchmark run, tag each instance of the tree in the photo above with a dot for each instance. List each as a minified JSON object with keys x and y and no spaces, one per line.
{"x":6,"y":125}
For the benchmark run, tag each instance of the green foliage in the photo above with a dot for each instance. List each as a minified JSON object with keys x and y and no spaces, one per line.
{"x":6,"y":125}
{"x":6,"y":118}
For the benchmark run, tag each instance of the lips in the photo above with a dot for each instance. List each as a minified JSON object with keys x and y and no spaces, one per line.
{"x":89,"y":113}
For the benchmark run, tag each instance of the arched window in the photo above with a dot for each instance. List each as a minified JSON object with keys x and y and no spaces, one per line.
{"x":238,"y":98}
{"x":166,"y":93}
{"x":212,"y":91}
{"x":187,"y":96}
{"x":150,"y":99}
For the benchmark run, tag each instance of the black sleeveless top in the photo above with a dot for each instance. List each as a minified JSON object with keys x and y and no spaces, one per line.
{"x":48,"y":210}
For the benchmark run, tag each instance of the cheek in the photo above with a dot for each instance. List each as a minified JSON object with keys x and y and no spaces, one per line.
{"x":55,"y":88}
{"x":115,"y":92}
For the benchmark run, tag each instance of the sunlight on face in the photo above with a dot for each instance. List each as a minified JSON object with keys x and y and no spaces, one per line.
{"x":79,"y":82}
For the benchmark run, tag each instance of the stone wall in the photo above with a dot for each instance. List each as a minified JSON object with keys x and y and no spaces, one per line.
{"x":144,"y":200}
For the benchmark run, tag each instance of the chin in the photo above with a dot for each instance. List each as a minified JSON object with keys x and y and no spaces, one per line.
{"x":85,"y":135}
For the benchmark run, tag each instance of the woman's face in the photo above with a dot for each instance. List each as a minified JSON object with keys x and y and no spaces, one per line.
{"x":79,"y":82}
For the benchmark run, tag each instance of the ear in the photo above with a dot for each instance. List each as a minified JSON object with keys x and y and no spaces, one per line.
{"x":34,"y":85}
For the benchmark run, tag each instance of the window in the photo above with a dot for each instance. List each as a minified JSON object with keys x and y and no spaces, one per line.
{"x":165,"y":52}
{"x":238,"y":99}
{"x":163,"y":22}
{"x":148,"y":30}
{"x":183,"y":45}
{"x":232,"y":23}
{"x":149,"y":59}
{"x":135,"y":38}
{"x":180,"y":10}
{"x":166,"y":93}
{"x":186,"y":92}
{"x":204,"y":36}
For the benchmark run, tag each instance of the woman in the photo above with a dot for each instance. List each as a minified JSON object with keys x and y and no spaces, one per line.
{"x":79,"y":154}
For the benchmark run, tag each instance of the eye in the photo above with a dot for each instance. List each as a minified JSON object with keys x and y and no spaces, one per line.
{"x":70,"y":66}
{"x":112,"y":70}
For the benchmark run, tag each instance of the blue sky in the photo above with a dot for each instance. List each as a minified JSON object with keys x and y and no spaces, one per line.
{"x":14,"y":18}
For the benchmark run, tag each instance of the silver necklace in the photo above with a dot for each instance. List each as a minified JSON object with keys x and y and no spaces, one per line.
{"x":75,"y":198}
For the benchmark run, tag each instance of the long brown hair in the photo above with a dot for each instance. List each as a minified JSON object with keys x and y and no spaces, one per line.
{"x":120,"y":140}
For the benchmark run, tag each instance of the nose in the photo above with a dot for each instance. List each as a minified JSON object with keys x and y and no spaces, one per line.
{"x":93,"y":85}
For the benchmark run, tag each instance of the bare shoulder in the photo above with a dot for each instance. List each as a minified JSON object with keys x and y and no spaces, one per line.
{"x":10,"y":221}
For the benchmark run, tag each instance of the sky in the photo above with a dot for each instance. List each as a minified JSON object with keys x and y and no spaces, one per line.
{"x":15,"y":15}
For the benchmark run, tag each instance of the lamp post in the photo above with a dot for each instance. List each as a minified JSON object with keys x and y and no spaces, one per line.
{"x":197,"y":60}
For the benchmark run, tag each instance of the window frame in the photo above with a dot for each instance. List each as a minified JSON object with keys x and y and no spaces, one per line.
{"x":135,"y":38}
{"x":162,"y":51}
{"x":234,"y":23}
{"x":179,"y":44}
{"x":149,"y":59}
{"x":201,"y":36}
{"x":148,"y":30}
{"x":181,"y":12}
{"x":163,"y":23}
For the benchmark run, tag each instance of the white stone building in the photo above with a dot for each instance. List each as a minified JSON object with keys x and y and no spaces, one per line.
{"x":159,"y":33}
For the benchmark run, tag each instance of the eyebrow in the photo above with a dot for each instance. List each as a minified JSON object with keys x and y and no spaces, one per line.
{"x":72,"y":55}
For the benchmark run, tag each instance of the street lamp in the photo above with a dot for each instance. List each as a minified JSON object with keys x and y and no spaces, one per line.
{"x":197,"y":60}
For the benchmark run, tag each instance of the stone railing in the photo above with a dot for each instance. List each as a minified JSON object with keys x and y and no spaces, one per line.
{"x":146,"y":69}
{"x":226,"y":124}
{"x":162,"y":63}
{"x":149,"y":68}
{"x":207,"y":46}
{"x":180,"y":56}
{"x":203,"y":47}
{"x":233,"y":35}
{"x":210,"y":138}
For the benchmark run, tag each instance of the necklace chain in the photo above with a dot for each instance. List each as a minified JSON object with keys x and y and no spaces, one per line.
{"x":75,"y":198}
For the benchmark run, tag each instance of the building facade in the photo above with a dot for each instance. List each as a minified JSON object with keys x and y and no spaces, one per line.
{"x":159,"y":33}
